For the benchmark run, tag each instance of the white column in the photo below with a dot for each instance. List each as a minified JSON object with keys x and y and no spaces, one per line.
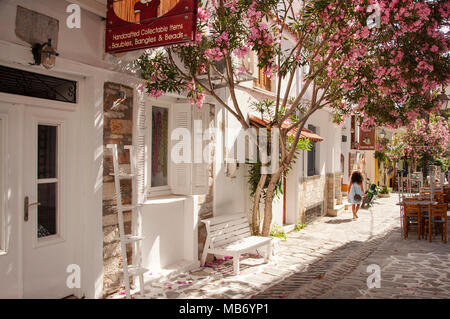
{"x":191,"y":228}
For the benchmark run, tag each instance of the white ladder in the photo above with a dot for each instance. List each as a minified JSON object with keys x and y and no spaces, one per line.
{"x":135,"y":239}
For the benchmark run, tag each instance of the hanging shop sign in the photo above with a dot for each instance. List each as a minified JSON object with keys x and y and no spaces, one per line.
{"x":366,"y":139}
{"x":140,"y":24}
{"x":361,"y":139}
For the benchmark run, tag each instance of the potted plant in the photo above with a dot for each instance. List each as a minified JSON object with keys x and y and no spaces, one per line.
{"x":385,"y":192}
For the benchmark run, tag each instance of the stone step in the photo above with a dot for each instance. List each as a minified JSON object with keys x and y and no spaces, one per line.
{"x":288,"y":228}
{"x":336,"y":210}
{"x":345,"y":201}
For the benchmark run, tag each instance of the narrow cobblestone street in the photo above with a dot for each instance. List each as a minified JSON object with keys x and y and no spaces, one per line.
{"x":327,"y":259}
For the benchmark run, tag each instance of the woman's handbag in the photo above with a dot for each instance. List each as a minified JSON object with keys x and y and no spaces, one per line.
{"x":357,"y":198}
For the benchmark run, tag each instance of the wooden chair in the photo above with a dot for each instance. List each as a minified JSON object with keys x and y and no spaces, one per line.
{"x":438,"y":196}
{"x":447,"y":194}
{"x":411,"y":215}
{"x":437,"y":216}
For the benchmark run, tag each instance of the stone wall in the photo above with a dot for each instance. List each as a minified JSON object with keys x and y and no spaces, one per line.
{"x":338,"y":187}
{"x":312,"y":214}
{"x":205,"y":202}
{"x":117,"y":129}
{"x":330,"y":191}
{"x":333,"y":190}
{"x":311,"y":198}
{"x":318,"y":194}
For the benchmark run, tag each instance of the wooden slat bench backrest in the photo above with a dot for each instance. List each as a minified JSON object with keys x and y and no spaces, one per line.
{"x":227,"y":229}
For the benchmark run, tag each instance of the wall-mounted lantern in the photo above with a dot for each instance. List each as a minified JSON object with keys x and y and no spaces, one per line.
{"x":44,"y":54}
{"x":382,"y":134}
{"x":120,"y":97}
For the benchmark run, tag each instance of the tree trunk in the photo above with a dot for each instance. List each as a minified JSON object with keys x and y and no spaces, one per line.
{"x":268,"y":203}
{"x":256,"y":200}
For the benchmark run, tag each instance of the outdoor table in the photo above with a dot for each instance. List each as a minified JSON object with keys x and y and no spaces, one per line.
{"x":419,"y":202}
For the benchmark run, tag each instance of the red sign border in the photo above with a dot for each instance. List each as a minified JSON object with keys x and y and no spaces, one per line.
{"x":113,"y":22}
{"x":361,"y":146}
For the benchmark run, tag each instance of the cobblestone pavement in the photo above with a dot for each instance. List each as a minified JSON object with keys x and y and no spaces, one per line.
{"x":326,"y":259}
{"x":409,"y":269}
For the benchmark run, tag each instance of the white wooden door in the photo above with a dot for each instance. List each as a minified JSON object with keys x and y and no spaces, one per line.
{"x":47,"y":248}
{"x":9,"y":203}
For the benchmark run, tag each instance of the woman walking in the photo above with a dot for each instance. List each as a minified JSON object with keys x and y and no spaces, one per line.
{"x":355,"y":192}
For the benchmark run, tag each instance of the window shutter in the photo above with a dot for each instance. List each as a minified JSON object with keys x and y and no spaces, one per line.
{"x":181,"y":172}
{"x":266,"y":82}
{"x":140,"y":152}
{"x":190,"y":178}
{"x":262,"y":80}
{"x":200,"y":170}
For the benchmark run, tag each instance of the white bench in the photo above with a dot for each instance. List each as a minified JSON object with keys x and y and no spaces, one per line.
{"x":230,"y":236}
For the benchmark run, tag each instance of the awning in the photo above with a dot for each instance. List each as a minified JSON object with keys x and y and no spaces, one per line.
{"x":258,"y":122}
{"x":311,"y":135}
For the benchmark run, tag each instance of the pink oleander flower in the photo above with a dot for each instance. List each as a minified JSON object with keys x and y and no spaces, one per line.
{"x":141,"y":88}
{"x":156,"y":93}
{"x":200,"y":100}
{"x":203,"y":14}
{"x":241,"y":52}
{"x":198,"y":37}
{"x":202,"y":68}
{"x":214,"y":54}
{"x":241,"y":70}
{"x":232,"y":5}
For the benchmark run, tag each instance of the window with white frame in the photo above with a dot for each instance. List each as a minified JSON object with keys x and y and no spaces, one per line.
{"x":165,"y":175}
{"x":158,"y":165}
{"x":48,"y":180}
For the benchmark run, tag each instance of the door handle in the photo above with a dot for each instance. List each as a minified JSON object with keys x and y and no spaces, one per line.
{"x":26,"y":206}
